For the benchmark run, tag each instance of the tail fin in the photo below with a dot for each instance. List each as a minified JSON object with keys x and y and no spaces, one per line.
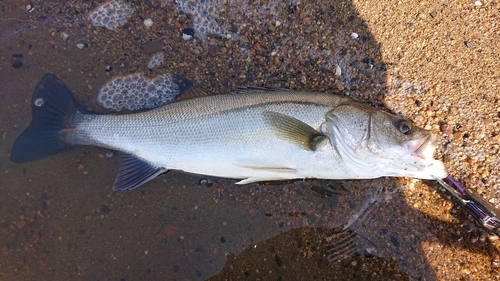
{"x":53,"y":112}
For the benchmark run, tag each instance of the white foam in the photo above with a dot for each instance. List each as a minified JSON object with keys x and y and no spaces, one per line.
{"x":111,"y":14}
{"x":135,"y":92}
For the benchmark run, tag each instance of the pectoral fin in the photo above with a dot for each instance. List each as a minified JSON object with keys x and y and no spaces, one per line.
{"x":134,"y":172}
{"x":294,"y":130}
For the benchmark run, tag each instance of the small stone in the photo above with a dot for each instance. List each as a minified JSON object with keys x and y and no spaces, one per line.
{"x":105,"y":209}
{"x":30,"y":8}
{"x":21,"y":224}
{"x":169,"y":230}
{"x":353,"y":36}
{"x":252,"y":212}
{"x":488,"y":121}
{"x":148,"y":22}
{"x":213,"y":51}
{"x":17,"y":64}
{"x":338,"y":70}
{"x":64,"y":36}
{"x":108,"y":68}
{"x":446,"y":129}
{"x":478,"y":3}
{"x":187,"y":34}
{"x":80,"y":46}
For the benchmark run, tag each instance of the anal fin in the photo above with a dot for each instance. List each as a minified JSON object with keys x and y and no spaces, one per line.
{"x":252,"y":180}
{"x":134,"y":172}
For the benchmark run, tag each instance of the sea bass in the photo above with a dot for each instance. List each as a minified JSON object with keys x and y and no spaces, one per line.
{"x":255,"y":135}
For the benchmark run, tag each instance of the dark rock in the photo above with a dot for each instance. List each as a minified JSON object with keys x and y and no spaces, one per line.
{"x":17,"y":64}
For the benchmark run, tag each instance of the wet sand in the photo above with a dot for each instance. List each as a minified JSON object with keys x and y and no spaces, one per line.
{"x":436,"y":63}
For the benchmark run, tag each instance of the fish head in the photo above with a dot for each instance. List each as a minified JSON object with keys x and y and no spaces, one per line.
{"x":374,"y":143}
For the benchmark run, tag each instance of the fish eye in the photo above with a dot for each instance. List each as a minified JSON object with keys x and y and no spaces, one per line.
{"x":404,"y":126}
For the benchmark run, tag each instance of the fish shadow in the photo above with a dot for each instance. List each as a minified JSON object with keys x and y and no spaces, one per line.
{"x":391,"y":240}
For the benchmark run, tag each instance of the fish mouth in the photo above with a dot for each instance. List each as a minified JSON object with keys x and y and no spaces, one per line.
{"x":424,"y":148}
{"x":421,"y":152}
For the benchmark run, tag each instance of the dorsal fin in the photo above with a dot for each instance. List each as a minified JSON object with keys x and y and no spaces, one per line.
{"x":190,"y":94}
{"x":186,"y":89}
{"x":241,"y":90}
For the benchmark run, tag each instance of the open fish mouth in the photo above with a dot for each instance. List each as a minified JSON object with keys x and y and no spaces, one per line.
{"x":424,"y":148}
{"x":421,"y":152}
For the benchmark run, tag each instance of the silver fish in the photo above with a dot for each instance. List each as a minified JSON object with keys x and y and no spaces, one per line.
{"x":253,"y":136}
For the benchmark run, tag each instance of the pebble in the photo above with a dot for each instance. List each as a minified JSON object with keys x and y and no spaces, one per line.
{"x":17,"y":64}
{"x":213,"y":51}
{"x":353,"y":36}
{"x":446,"y":129}
{"x":148,"y":22}
{"x":109,"y":154}
{"x":105,"y":209}
{"x":30,"y":8}
{"x":21,"y":223}
{"x":64,"y":36}
{"x":478,"y":3}
{"x":80,"y":45}
{"x":338,"y":70}
{"x":187,"y":34}
{"x":169,"y":230}
{"x":205,"y":182}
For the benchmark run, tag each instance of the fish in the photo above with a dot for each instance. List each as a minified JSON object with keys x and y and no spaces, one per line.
{"x":252,"y":135}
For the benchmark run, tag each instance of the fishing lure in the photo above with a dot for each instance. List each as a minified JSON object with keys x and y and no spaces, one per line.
{"x":484,"y":213}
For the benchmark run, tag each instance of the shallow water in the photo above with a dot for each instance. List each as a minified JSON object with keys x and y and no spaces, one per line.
{"x":61,"y":220}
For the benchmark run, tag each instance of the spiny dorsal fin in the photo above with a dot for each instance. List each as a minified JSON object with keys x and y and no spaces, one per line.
{"x":294,"y":130}
{"x":241,"y":90}
{"x":190,"y":94}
